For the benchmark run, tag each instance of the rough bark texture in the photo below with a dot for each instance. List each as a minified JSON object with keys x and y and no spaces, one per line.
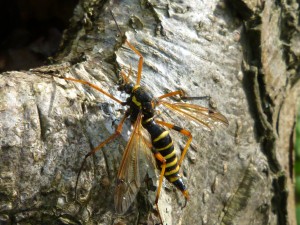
{"x":244,"y":54}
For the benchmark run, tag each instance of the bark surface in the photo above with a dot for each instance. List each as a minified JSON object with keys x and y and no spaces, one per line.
{"x":243,"y":54}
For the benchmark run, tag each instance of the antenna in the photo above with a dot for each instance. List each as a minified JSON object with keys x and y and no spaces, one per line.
{"x":116,"y":22}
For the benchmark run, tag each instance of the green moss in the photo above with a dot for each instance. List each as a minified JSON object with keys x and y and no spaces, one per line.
{"x":297,"y":144}
{"x":298,"y":213}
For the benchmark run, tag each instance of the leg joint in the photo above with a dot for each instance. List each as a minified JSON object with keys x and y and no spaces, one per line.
{"x":160,"y":158}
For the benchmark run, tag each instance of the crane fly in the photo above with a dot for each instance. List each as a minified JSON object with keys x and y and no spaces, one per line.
{"x":150,"y":141}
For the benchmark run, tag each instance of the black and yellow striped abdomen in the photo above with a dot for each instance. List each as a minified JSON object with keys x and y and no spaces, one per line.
{"x":141,"y":100}
{"x":163,"y":143}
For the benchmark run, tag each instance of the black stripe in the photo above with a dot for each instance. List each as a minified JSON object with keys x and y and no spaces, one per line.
{"x":153,"y":129}
{"x":172,"y":175}
{"x":177,"y":128}
{"x":166,"y":151}
{"x":171,"y":159}
{"x":172,"y":168}
{"x":179,"y":184}
{"x":162,"y":142}
{"x":176,"y":174}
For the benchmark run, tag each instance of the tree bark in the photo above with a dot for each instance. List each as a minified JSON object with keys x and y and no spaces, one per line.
{"x":243,"y":54}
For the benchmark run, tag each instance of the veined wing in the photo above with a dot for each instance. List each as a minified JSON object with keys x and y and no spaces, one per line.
{"x":200,"y":115}
{"x":136,"y":161}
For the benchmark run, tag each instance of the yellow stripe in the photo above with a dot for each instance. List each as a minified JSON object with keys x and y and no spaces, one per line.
{"x":172,"y":163}
{"x":166,"y":147}
{"x":161,"y":136}
{"x":170,"y":155}
{"x":136,"y":102}
{"x":148,"y":120}
{"x":173,"y":179}
{"x":172,"y":171}
{"x":135,"y":87}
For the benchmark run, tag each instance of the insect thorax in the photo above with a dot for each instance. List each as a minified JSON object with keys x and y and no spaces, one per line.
{"x":141,"y":100}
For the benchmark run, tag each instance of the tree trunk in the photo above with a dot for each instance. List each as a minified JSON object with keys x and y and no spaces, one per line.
{"x":243,"y":54}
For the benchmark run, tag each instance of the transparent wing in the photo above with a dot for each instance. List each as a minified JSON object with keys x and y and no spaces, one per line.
{"x":137,"y":160}
{"x":200,"y":115}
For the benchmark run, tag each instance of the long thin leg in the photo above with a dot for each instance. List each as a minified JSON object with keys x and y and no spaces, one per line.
{"x":102,"y":144}
{"x":126,"y":76}
{"x":95,"y":87}
{"x":141,"y":59}
{"x":182,"y":95}
{"x":163,"y":161}
{"x":182,"y":131}
{"x":178,"y":92}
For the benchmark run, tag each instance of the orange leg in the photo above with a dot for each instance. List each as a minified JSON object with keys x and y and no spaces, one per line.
{"x":141,"y":59}
{"x":163,"y":161}
{"x":126,"y":76}
{"x":95,"y":87}
{"x":101,"y":145}
{"x":182,"y":131}
{"x":179,"y":92}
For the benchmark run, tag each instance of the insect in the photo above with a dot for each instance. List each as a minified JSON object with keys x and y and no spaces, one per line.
{"x":150,"y":138}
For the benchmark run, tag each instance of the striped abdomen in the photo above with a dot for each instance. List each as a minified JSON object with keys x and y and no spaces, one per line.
{"x":163,"y":143}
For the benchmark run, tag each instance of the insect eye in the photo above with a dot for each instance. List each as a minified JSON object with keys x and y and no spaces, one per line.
{"x":128,"y":88}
